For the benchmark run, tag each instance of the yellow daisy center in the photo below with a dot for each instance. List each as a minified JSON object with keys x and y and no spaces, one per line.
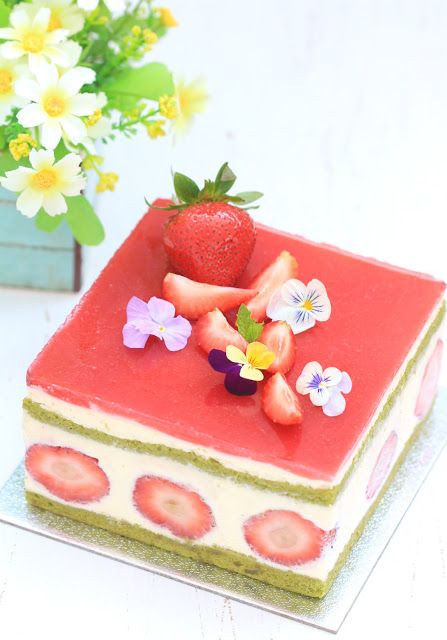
{"x":33,"y":42}
{"x":307,"y":305}
{"x":55,"y":22}
{"x":5,"y":81}
{"x":54,"y":105}
{"x":44,"y":179}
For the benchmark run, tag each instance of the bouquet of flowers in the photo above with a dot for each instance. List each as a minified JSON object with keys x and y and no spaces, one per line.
{"x":71,"y":72}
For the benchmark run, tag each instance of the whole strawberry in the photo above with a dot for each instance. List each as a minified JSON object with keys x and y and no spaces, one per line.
{"x":211,"y":237}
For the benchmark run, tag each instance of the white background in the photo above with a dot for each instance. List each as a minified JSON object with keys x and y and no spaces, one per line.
{"x":337,"y":111}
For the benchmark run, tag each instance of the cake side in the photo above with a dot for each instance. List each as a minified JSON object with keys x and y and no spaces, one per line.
{"x":134,"y":436}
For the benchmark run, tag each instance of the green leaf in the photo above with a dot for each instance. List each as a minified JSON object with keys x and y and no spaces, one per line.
{"x":7,"y":162}
{"x":4,"y":14}
{"x":149,"y":82}
{"x":185,"y":188}
{"x":83,"y":221}
{"x":247,"y":327}
{"x":44,"y":222}
{"x":249,"y":196}
{"x":225,"y":179}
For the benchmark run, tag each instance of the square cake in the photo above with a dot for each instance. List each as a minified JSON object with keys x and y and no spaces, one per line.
{"x":148,"y":443}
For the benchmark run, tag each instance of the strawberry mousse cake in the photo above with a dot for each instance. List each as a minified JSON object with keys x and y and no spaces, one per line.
{"x":254,"y":425}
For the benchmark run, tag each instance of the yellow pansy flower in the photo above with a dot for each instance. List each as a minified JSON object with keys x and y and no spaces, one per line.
{"x":256,"y":357}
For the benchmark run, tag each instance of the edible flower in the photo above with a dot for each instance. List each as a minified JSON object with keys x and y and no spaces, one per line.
{"x":155,"y":318}
{"x":300,"y":305}
{"x":242,"y":370}
{"x":325,"y":388}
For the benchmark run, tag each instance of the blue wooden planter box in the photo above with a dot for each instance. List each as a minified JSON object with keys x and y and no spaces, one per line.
{"x":33,"y":258}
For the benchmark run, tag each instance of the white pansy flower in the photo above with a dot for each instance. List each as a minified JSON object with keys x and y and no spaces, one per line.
{"x":300,"y":305}
{"x":115,"y":6}
{"x":64,"y":14}
{"x":57,"y":104}
{"x":30,"y":36}
{"x":46,"y":183}
{"x":10,"y":71}
{"x":325,"y":388}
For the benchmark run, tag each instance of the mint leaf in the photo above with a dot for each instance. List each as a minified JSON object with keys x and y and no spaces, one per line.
{"x":47,"y":223}
{"x":133,"y":84}
{"x":247,"y":327}
{"x":225,"y":179}
{"x":185,"y":188}
{"x":83,"y":221}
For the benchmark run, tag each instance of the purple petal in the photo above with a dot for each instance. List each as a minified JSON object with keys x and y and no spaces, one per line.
{"x":176,"y":333}
{"x":237,"y":385}
{"x":345,"y":383}
{"x":160,"y":311}
{"x":335,"y":405}
{"x":133,"y":337}
{"x":138,"y":314}
{"x":219,"y":361}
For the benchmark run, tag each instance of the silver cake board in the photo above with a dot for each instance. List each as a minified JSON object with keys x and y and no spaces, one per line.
{"x":327,"y":614}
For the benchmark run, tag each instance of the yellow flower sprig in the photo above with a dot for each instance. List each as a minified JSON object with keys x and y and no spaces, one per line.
{"x":21,"y":146}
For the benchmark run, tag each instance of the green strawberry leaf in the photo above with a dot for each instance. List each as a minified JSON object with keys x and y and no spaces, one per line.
{"x":47,"y":223}
{"x":249,"y":196}
{"x":247,"y":327}
{"x":83,"y":221}
{"x":225,"y":179}
{"x":185,"y":188}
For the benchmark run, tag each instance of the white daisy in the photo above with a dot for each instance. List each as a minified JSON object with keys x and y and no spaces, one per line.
{"x":57,"y":104}
{"x":46,"y":183}
{"x":300,"y":305}
{"x":9,"y":72}
{"x":30,"y":35}
{"x":97,"y":125}
{"x":115,"y":6}
{"x":64,"y":14}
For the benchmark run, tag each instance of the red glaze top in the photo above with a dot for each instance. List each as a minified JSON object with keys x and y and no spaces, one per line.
{"x":378,"y":311}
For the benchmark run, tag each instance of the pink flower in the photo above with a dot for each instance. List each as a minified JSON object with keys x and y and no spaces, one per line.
{"x":154,"y":318}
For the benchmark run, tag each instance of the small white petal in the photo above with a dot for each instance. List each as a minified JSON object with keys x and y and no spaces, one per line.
{"x":293,"y":292}
{"x":277,"y":309}
{"x":54,"y":204}
{"x":11,"y":50}
{"x":83,"y":104}
{"x":316,"y":292}
{"x":47,"y":75}
{"x":319,"y":396}
{"x":57,"y":36}
{"x":41,"y":159}
{"x":73,"y":50}
{"x":31,"y":116}
{"x":311,"y":370}
{"x":88,"y":5}
{"x":51,"y":133}
{"x":41,"y":19}
{"x":29,"y":202}
{"x":58,"y":55}
{"x":28,"y":89}
{"x":6,"y":33}
{"x":332,"y":376}
{"x":74,"y":186}
{"x":335,"y":405}
{"x":74,"y":128}
{"x":19,"y":18}
{"x":69,"y":165}
{"x":345,"y":384}
{"x":17,"y":180}
{"x":299,"y":320}
{"x":72,"y":81}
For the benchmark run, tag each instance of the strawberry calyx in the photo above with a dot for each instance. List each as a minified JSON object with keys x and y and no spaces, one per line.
{"x":187,"y":192}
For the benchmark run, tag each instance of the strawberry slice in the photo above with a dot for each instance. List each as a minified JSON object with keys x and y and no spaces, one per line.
{"x":430,"y":380}
{"x":280,"y":403}
{"x":382,"y":466}
{"x":67,"y":473}
{"x":173,"y":506}
{"x":193,"y":299}
{"x":268,"y":281}
{"x":284,"y":537}
{"x":279,"y":338}
{"x":214,"y":332}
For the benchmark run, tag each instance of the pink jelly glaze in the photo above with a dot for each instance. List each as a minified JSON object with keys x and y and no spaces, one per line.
{"x":378,"y":312}
{"x":429,"y":383}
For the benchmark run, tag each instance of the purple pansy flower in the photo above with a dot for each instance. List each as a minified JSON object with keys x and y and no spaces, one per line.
{"x":154,"y":318}
{"x":233,"y":381}
{"x":325,"y":388}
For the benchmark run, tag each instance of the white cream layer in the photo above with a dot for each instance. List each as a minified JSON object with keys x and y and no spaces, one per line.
{"x":94,"y":418}
{"x":232,"y":503}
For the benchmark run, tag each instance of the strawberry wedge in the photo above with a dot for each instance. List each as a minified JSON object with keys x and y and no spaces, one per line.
{"x":279,"y":338}
{"x":269,"y":280}
{"x":213,"y":331}
{"x":193,"y":299}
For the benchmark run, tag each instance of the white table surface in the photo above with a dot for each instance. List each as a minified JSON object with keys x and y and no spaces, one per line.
{"x":337,"y":111}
